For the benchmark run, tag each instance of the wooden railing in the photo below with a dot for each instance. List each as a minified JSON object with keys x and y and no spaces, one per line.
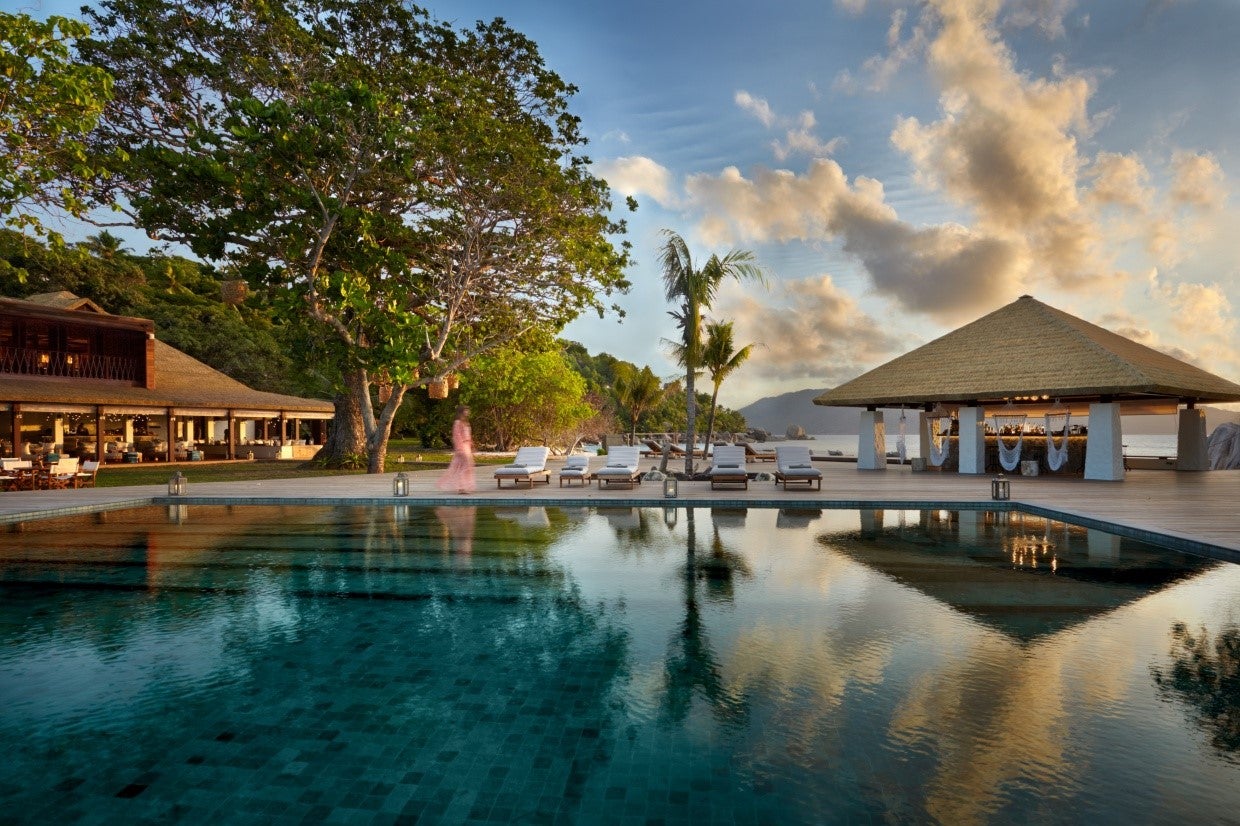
{"x":28,"y":362}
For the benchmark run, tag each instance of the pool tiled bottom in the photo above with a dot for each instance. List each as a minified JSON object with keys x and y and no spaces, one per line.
{"x":473,"y":665}
{"x":390,"y":710}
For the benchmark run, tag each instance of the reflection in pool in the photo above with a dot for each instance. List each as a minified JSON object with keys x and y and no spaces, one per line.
{"x":578,"y":664}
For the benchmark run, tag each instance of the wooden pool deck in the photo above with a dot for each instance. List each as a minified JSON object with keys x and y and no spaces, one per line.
{"x":1193,"y":511}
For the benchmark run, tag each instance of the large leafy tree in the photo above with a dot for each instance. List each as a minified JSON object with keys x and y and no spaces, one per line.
{"x":49,"y":101}
{"x":720,"y":359}
{"x":692,"y":289}
{"x":413,"y":193}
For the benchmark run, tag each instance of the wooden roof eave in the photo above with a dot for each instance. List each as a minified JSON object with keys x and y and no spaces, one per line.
{"x":991,"y":396}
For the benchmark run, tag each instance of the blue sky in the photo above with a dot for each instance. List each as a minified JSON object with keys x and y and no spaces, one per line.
{"x":901,"y":168}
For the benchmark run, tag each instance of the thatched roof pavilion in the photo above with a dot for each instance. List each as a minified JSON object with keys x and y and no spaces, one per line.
{"x":1030,"y":354}
{"x":68,"y":366}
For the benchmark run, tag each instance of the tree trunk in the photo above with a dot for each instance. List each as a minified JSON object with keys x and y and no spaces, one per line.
{"x":710,"y":419}
{"x":380,"y":429}
{"x":690,"y":421}
{"x":348,"y":434}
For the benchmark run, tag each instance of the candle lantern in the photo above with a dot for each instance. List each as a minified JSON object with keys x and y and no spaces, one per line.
{"x":1000,"y":488}
{"x":671,"y":487}
{"x":177,"y":484}
{"x":400,"y":485}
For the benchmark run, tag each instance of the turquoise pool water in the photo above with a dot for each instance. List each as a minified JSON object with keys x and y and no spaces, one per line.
{"x":558,"y":665}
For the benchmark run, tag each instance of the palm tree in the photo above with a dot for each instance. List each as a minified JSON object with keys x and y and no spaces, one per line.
{"x":637,"y":391}
{"x":105,"y":245}
{"x":694,"y":289}
{"x":720,"y":359}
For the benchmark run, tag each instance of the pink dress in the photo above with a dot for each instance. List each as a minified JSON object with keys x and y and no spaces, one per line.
{"x":460,"y":473}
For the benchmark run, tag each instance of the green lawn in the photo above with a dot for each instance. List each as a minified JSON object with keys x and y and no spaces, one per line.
{"x":157,"y":473}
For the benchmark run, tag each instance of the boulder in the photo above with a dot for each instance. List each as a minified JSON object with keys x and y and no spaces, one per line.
{"x":1223,"y":448}
{"x":795,"y":431}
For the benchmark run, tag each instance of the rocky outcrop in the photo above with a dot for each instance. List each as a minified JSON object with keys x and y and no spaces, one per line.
{"x":1223,"y":449}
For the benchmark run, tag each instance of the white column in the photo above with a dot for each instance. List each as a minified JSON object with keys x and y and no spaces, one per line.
{"x":871,"y":441}
{"x":1190,"y":445}
{"x":58,"y":433}
{"x":972,"y":440}
{"x":1104,"y":452}
{"x":129,"y":431}
{"x":923,"y":437}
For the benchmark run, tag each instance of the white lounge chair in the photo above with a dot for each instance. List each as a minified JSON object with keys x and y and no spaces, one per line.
{"x":576,"y":469}
{"x":621,"y":467}
{"x":758,"y":455}
{"x":793,"y":464}
{"x":529,"y":466}
{"x":728,"y":467}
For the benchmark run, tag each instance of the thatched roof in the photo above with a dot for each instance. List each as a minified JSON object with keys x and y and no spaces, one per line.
{"x":65,"y":300}
{"x":181,"y":382}
{"x":1030,"y":349}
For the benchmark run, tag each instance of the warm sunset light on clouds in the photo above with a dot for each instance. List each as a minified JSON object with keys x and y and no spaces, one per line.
{"x":903,"y":167}
{"x":1015,"y":177}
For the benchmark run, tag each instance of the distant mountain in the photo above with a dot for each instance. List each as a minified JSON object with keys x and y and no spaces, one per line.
{"x":777,"y":413}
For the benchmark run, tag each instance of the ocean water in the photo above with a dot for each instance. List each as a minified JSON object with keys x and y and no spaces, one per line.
{"x":212,"y":664}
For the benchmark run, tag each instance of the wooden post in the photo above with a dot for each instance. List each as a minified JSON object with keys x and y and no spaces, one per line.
{"x":98,"y":433}
{"x":16,"y":416}
{"x":232,"y":436}
{"x":170,"y":433}
{"x":283,"y":428}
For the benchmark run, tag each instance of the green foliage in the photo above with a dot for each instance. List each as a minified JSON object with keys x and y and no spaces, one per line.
{"x":599,"y":371}
{"x":412,"y":191}
{"x":524,"y":398}
{"x":1204,"y":675}
{"x":49,"y":102}
{"x":637,"y":391}
{"x":720,"y":359}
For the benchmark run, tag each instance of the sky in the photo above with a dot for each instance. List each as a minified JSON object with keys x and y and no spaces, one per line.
{"x":902,"y":168}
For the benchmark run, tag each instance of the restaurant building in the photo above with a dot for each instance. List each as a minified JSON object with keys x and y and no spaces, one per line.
{"x":77,"y":380}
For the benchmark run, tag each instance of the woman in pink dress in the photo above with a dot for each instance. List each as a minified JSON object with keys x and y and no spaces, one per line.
{"x":460,"y":473}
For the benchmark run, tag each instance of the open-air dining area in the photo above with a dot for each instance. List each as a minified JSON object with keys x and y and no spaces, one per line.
{"x":82,"y":384}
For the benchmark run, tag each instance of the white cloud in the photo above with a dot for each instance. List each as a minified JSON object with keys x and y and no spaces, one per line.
{"x":946,"y":271}
{"x":1045,"y":15}
{"x":1198,"y":180}
{"x":801,"y":140}
{"x":757,"y":107}
{"x":638,"y":175}
{"x":799,"y":137}
{"x":1121,"y":180}
{"x":879,"y":70}
{"x":808,"y":329}
{"x":1202,"y":315}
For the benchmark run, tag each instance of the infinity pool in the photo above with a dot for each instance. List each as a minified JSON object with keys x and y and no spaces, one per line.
{"x":560,"y":665}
